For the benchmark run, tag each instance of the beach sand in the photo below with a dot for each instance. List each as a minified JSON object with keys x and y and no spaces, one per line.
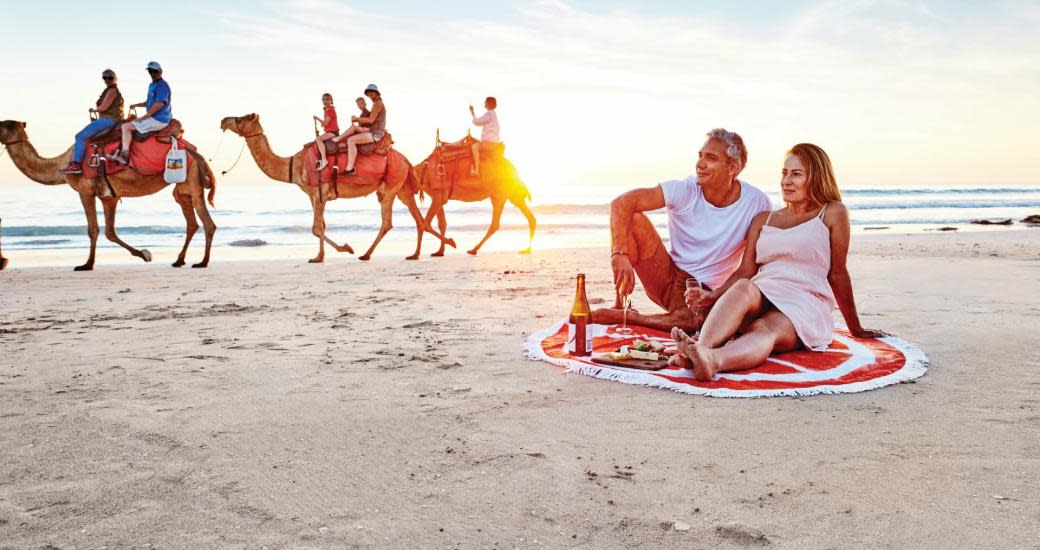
{"x":389,"y":405}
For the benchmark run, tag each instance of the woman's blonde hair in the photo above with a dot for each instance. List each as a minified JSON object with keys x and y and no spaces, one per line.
{"x":822,"y":186}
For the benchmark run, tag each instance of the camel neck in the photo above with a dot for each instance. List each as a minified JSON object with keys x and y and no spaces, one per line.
{"x":37,"y":168}
{"x":272,"y":165}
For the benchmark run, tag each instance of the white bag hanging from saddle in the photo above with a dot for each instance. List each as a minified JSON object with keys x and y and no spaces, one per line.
{"x":176,"y":164}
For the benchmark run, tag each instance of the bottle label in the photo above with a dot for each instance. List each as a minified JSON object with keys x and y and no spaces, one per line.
{"x":571,"y":340}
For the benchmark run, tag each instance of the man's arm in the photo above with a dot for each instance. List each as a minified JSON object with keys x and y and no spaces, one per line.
{"x":621,"y":211}
{"x":482,"y":119}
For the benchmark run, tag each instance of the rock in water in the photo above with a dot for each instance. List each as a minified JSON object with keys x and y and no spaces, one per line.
{"x":1033,"y":218}
{"x":248,"y":242}
{"x":990,"y":222}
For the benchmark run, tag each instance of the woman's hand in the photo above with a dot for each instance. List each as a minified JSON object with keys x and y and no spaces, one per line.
{"x":700,"y":299}
{"x":93,"y":110}
{"x":355,"y":119}
{"x":868,"y":333}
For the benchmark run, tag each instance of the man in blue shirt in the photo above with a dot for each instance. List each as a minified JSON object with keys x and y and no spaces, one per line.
{"x":158,"y":115}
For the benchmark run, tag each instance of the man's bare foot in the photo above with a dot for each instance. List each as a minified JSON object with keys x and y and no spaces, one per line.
{"x":704,"y":364}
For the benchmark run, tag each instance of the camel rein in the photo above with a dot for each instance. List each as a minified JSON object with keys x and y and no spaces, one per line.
{"x":240,"y":151}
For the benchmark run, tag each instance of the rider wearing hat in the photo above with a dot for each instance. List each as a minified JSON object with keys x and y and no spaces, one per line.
{"x":109,"y":110}
{"x":157,"y":117}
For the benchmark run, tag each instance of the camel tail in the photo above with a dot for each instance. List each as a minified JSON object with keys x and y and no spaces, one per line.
{"x":207,"y":173}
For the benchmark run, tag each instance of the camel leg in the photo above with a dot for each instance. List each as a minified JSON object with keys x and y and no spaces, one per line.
{"x":90,"y":209}
{"x":3,"y":260}
{"x":387,"y":214}
{"x":109,"y":204}
{"x":437,"y":209}
{"x":209,"y":228}
{"x":444,"y":239}
{"x":497,"y":205}
{"x":190,"y":223}
{"x":532,"y":223}
{"x":318,"y":229}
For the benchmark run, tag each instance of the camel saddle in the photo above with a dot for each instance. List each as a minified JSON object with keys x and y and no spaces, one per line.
{"x":381,"y":147}
{"x":115,"y":134}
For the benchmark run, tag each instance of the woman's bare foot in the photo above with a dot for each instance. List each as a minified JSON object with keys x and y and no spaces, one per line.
{"x":704,"y":364}
{"x":683,"y":341}
{"x":680,"y":361}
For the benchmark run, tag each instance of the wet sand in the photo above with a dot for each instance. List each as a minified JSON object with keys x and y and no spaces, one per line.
{"x":389,"y":405}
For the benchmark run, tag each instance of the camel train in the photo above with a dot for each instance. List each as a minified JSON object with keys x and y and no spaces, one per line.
{"x":444,"y":175}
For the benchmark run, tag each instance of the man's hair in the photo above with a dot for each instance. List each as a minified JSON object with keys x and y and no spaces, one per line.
{"x":735,"y":148}
{"x":492,"y":101}
{"x":821,"y":185}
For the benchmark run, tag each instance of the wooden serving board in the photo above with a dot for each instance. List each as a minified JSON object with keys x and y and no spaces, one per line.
{"x":641,"y":364}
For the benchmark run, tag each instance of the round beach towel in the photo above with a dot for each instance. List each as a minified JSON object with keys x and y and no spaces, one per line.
{"x":849,"y":365}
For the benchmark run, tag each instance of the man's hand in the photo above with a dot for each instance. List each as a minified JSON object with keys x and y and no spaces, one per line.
{"x":471,"y":111}
{"x":624,"y":274}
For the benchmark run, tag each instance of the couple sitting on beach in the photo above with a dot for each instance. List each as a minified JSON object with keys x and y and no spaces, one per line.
{"x":751,"y":280}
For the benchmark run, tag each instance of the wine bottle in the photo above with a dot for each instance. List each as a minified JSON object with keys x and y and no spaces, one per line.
{"x":578,"y":341}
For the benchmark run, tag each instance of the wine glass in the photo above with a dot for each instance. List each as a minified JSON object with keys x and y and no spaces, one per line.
{"x":691,"y":284}
{"x":626,"y":302}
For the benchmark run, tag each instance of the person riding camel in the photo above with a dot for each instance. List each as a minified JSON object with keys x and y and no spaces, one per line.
{"x":158,"y":114}
{"x":365,"y":113}
{"x":330,"y":127}
{"x":489,"y":137}
{"x":368,"y":129}
{"x":109,"y":109}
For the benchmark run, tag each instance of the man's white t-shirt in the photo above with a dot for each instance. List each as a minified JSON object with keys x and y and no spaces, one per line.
{"x":707,"y":241}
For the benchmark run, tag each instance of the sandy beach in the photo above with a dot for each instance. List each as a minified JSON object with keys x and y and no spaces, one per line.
{"x":276,"y":404}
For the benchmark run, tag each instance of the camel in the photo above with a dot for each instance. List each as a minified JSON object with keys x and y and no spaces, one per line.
{"x":400,"y":184}
{"x":445,"y":175}
{"x":3,"y":260}
{"x":127,"y":183}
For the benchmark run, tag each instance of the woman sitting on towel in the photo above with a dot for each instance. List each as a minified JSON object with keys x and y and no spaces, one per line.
{"x":792,"y":274}
{"x":369,"y":129}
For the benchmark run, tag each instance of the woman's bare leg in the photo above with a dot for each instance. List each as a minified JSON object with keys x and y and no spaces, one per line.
{"x":347,"y":133}
{"x":353,"y":141}
{"x":732,"y":310}
{"x":770,"y":332}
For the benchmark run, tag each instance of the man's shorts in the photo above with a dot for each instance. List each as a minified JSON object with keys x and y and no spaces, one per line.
{"x":145,"y":125}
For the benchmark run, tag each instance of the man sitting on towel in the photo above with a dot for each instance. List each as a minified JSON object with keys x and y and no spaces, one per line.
{"x":157,"y":117}
{"x":708,"y":219}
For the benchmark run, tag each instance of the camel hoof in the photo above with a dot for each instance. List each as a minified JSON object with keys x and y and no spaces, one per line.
{"x":145,"y":255}
{"x":84,"y":267}
{"x":200,"y":264}
{"x":178,"y":263}
{"x":413,"y":257}
{"x":437,"y":254}
{"x":450,"y":242}
{"x":365,"y":258}
{"x":472,"y":252}
{"x":316,"y":260}
{"x":3,"y":263}
{"x":345,"y":248}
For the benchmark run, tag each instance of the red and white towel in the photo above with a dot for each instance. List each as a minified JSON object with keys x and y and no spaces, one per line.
{"x":849,"y":365}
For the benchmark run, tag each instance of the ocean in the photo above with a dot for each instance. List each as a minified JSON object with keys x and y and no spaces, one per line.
{"x":41,"y":217}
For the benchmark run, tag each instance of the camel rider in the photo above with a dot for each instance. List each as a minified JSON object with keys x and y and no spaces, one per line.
{"x":368,"y":129}
{"x":157,"y":117}
{"x":489,"y":138}
{"x":109,"y":109}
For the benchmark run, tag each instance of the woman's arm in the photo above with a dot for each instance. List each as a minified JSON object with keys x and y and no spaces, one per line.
{"x":106,"y":102}
{"x":372,"y":116}
{"x":837,"y":220}
{"x":748,"y":267}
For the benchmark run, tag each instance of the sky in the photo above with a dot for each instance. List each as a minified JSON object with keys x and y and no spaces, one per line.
{"x":593,"y":96}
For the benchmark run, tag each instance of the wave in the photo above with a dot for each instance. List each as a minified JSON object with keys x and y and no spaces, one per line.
{"x":79,"y":230}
